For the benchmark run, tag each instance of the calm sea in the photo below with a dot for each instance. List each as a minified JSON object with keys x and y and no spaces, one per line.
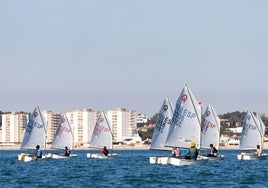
{"x":131,"y":168}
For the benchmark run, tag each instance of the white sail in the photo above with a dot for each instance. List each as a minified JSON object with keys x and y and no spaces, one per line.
{"x":162,"y":126}
{"x":63,"y":136}
{"x":251,"y":135}
{"x":210,"y":128}
{"x":35,"y":133}
{"x":262,"y":129}
{"x":102,"y":134}
{"x":262,"y":126}
{"x":186,"y":121}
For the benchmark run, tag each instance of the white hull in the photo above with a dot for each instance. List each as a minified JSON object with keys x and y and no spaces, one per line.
{"x":59,"y":156}
{"x":219,"y":157}
{"x":99,"y":156}
{"x":24,"y":157}
{"x":250,"y":156}
{"x":159,"y":160}
{"x":176,"y":161}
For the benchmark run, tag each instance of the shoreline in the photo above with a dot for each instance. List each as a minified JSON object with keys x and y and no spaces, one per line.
{"x":122,"y":147}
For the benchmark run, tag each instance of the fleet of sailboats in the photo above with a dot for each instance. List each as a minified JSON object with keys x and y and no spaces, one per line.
{"x":35,"y":134}
{"x":176,"y":128}
{"x":185,"y":127}
{"x":102,"y":137}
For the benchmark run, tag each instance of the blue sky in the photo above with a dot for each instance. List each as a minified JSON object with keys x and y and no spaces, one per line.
{"x":67,"y":55}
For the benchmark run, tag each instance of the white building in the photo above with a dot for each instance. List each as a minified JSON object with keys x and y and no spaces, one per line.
{"x":236,"y":129}
{"x":142,"y":118}
{"x":52,"y":120}
{"x":83,"y":122}
{"x":13,"y":127}
{"x":123,"y":123}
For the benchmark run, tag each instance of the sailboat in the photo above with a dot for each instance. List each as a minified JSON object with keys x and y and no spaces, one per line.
{"x":161,"y":130}
{"x":210,"y":131}
{"x":252,"y":135}
{"x":63,"y":138}
{"x":102,"y":136}
{"x":185,"y":127}
{"x":35,"y":134}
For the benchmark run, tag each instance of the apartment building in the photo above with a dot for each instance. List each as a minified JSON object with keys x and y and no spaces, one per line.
{"x":52,"y":120}
{"x":13,"y":127}
{"x":123,"y":123}
{"x":83,"y":122}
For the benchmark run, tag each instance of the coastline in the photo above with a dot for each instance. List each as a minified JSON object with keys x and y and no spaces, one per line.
{"x":123,"y":147}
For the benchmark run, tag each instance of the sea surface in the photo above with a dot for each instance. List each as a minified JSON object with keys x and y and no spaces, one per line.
{"x":131,"y":168}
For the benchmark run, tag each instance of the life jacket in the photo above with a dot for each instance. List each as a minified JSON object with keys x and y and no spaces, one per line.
{"x":193,"y":153}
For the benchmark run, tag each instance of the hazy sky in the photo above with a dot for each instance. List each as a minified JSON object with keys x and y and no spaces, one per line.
{"x":65,"y":55}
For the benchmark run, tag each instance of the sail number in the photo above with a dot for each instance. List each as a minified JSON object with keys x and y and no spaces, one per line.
{"x":161,"y":122}
{"x":180,"y":114}
{"x":33,"y":124}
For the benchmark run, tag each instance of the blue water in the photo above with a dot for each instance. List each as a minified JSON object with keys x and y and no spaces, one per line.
{"x":131,"y":168}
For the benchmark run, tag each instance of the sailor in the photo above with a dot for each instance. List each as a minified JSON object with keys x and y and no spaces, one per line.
{"x":213,"y":151}
{"x":38,"y":152}
{"x":192,"y":152}
{"x":104,"y":151}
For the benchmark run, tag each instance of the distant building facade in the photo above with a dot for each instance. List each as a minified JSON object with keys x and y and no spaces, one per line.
{"x":52,"y":120}
{"x":83,"y":122}
{"x":13,"y":127}
{"x":123,"y":123}
{"x":142,"y":118}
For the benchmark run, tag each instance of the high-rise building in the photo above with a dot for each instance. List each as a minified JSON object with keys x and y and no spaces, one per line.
{"x":52,"y":120}
{"x":123,"y":123}
{"x":13,"y":127}
{"x":83,"y":122}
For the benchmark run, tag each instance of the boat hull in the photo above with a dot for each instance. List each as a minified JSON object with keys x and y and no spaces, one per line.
{"x":99,"y":156}
{"x":177,"y":161}
{"x":219,"y":157}
{"x":250,"y":156}
{"x":59,"y":156}
{"x":24,"y":157}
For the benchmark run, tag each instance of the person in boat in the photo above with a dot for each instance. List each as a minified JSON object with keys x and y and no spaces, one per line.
{"x":192,"y":152}
{"x":176,"y":152}
{"x":258,"y":151}
{"x":38,"y":152}
{"x":104,"y":151}
{"x":67,"y":151}
{"x":213,"y":151}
